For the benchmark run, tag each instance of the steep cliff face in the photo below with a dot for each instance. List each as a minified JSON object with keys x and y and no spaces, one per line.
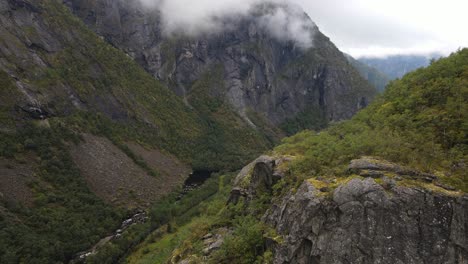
{"x":364,"y":223}
{"x":362,"y":219}
{"x":277,"y":79}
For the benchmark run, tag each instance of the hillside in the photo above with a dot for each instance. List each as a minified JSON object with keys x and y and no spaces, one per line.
{"x":86,"y":135}
{"x":388,"y":186}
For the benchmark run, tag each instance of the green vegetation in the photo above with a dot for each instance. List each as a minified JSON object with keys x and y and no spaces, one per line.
{"x":66,"y":216}
{"x":208,"y":134}
{"x":167,"y":216}
{"x":311,"y":119}
{"x":401,"y":126}
{"x":174,"y":221}
{"x":420,"y":121}
{"x":245,"y":244}
{"x":227,"y":141}
{"x":182,"y":225}
{"x":117,"y":99}
{"x":8,"y":95}
{"x":131,"y":95}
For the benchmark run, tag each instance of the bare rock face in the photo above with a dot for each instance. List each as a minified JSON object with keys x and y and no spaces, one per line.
{"x":363,"y":223}
{"x":277,"y":79}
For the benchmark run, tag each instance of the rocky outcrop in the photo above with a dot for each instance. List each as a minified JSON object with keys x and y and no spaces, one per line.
{"x":364,"y":223}
{"x":277,"y":79}
{"x":377,"y":168}
{"x":213,"y":242}
{"x":258,"y":176}
{"x":362,"y":219}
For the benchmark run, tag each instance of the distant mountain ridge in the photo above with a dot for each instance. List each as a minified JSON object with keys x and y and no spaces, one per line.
{"x":378,"y":79}
{"x":397,"y":66}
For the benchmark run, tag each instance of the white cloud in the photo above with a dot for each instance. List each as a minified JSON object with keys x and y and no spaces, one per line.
{"x":387,"y":27}
{"x":288,"y":22}
{"x":358,"y":27}
{"x":194,"y":17}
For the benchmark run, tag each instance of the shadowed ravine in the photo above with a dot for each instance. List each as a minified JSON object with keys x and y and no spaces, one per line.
{"x":195,"y":180}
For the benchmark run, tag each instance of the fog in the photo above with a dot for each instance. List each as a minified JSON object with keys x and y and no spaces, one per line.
{"x":358,"y":27}
{"x":287,"y":23}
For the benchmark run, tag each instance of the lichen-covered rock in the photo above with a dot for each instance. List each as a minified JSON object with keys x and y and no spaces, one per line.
{"x":363,"y":223}
{"x":376,"y":168}
{"x":258,"y":176}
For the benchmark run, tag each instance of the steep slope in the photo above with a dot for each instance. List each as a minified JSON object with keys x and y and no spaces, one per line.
{"x":60,"y":84}
{"x":60,"y":74}
{"x":258,"y":73}
{"x":371,"y":74}
{"x":388,"y":186}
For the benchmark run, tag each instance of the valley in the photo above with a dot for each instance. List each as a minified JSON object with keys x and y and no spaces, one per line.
{"x":249,"y":138}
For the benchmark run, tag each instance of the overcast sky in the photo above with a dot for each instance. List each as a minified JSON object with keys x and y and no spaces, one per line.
{"x":383,"y":27}
{"x":358,"y":27}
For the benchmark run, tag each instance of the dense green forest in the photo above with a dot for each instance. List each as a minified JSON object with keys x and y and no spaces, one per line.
{"x":65,"y":217}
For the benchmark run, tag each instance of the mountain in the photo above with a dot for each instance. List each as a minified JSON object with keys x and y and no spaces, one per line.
{"x":252,"y":71}
{"x":397,"y":66}
{"x":387,"y":186}
{"x":101,"y":116}
{"x":371,"y":74}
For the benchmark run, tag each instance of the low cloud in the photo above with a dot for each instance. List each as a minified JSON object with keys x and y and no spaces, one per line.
{"x":290,"y":23}
{"x":284,"y":20}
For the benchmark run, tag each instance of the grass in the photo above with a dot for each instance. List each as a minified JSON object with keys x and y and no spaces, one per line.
{"x":161,"y":250}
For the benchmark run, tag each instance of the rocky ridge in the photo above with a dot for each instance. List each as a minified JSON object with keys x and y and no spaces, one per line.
{"x":364,"y":219}
{"x":259,"y":73}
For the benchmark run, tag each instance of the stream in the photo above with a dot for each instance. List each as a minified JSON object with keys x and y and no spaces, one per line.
{"x":193,"y":182}
{"x":137,"y":218}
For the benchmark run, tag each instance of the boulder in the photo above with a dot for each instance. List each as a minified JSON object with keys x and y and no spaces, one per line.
{"x":258,"y":176}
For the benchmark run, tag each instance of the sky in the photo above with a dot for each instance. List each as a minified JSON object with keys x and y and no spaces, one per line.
{"x":387,"y":27}
{"x":371,"y":28}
